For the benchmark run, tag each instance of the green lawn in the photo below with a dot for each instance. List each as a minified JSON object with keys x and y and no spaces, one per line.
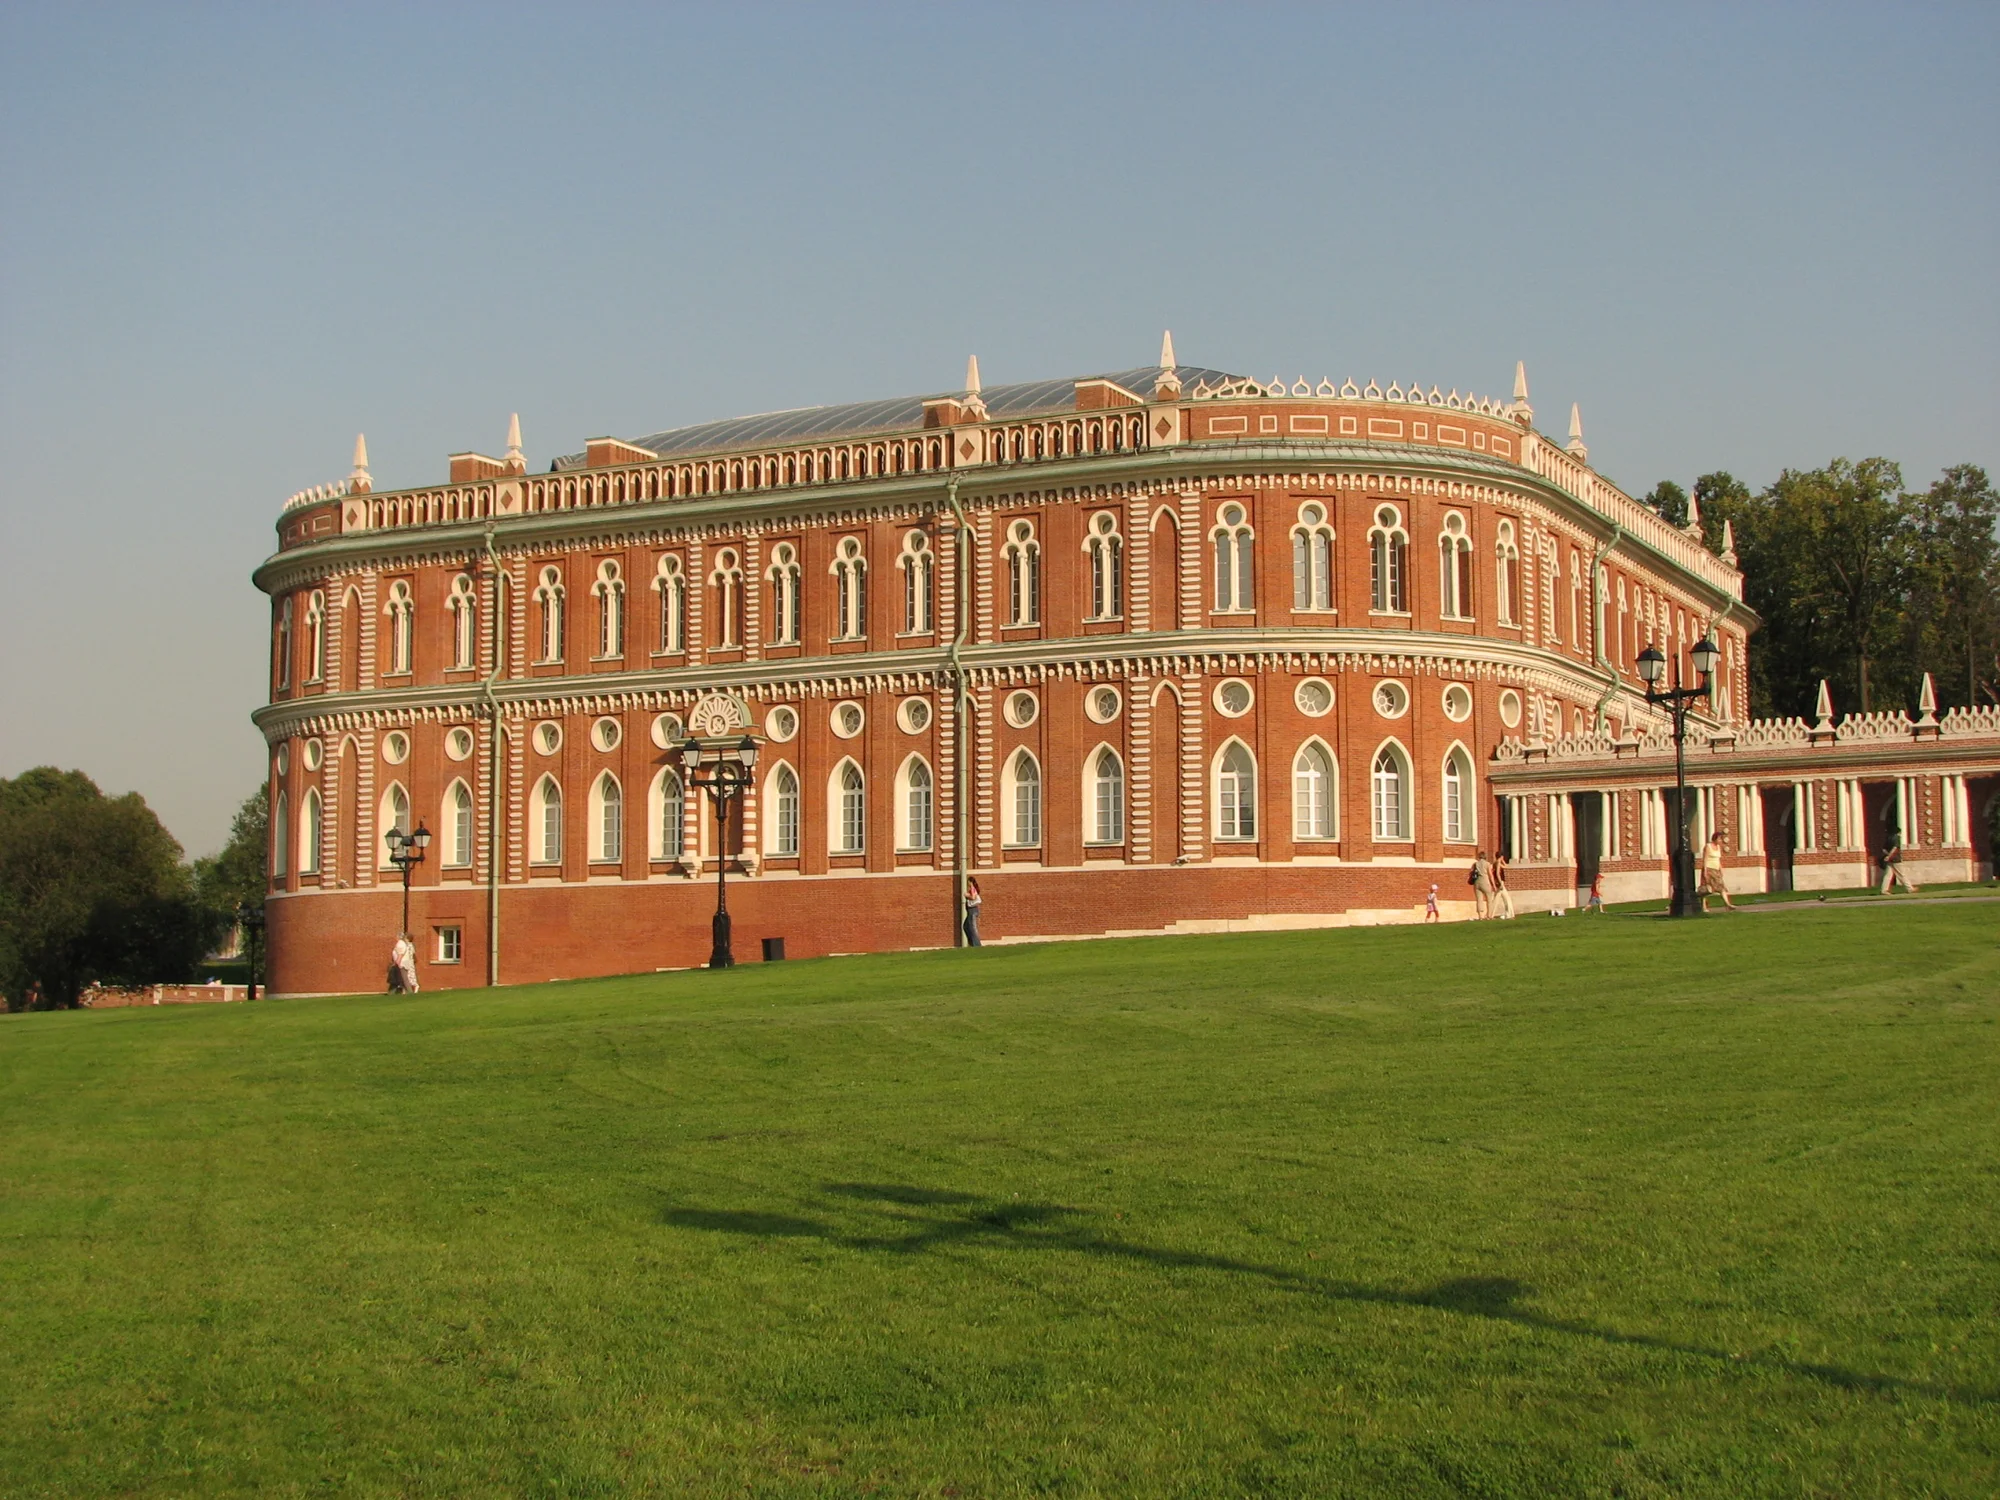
{"x":1543,"y":1208}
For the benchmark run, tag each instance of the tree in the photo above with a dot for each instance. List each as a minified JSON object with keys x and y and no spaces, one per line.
{"x":1954,"y":612}
{"x":1668,"y":501}
{"x":240,"y":874}
{"x":91,"y":888}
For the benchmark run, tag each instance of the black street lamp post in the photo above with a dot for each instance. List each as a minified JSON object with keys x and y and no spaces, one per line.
{"x":406,"y":852}
{"x":1652,"y":668}
{"x":251,"y":920}
{"x":729,"y":764}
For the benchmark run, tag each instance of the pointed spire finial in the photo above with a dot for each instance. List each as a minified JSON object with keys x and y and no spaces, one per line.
{"x":972,"y":375}
{"x":1693,"y":527}
{"x":1927,"y":704}
{"x":515,"y":461}
{"x":1522,"y":413}
{"x":1167,"y":384}
{"x":359,"y":480}
{"x":1823,"y":709}
{"x":1576,"y":444}
{"x":1728,"y":553}
{"x":1167,"y":350}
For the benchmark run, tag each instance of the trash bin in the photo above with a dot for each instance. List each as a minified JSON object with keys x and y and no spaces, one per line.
{"x":774,"y":949}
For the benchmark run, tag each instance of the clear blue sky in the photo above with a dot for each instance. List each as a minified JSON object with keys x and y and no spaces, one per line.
{"x":230,"y":238}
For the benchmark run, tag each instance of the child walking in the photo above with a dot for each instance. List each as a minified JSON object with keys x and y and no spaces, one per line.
{"x":1431,"y":904}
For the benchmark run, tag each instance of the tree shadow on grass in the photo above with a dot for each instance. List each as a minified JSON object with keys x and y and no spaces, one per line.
{"x":1010,"y":1225}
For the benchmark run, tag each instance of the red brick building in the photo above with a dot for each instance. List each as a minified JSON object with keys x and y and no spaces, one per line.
{"x":1163,"y":650}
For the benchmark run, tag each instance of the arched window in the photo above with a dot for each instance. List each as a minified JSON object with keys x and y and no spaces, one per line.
{"x":1388,"y":551}
{"x":1235,"y":547}
{"x":1024,"y":787}
{"x":457,"y":825}
{"x":282,"y":645}
{"x":1454,"y":569}
{"x":1576,"y":599}
{"x":548,"y":829}
{"x":783,"y":825}
{"x":610,"y":592}
{"x":1507,"y":573}
{"x":1022,"y":555}
{"x":671,"y":584}
{"x":1312,"y":559}
{"x":402,"y":612}
{"x":395,"y":814}
{"x":916,"y":563}
{"x":309,"y":829}
{"x":914,"y":832}
{"x":281,"y":841}
{"x":1390,"y":782}
{"x":1107,"y":798}
{"x":464,"y":622}
{"x":1312,"y":793}
{"x":1460,"y":825}
{"x":668,"y":824}
{"x":1236,"y":793}
{"x":850,"y":810}
{"x":728,"y":583}
{"x":1106,"y":549}
{"x":784,"y":576}
{"x":607,"y":820}
{"x":850,"y":590}
{"x":316,"y":637}
{"x":549,"y":602}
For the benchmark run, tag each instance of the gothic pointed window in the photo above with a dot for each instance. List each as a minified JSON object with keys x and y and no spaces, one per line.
{"x":727,"y":584}
{"x":1107,"y":798}
{"x":316,"y":637}
{"x":850,"y":809}
{"x":915,"y":832}
{"x":1458,"y":797}
{"x":670,"y":583}
{"x":609,"y":591}
{"x":1312,"y":793}
{"x":850,"y":589}
{"x":1024,"y":785}
{"x":457,"y":822}
{"x":549,"y":594}
{"x":916,"y":564}
{"x":1236,"y":793}
{"x":1390,"y":791}
{"x":1507,"y":573}
{"x":464,"y":614}
{"x":784,"y":832}
{"x":1022,"y":556}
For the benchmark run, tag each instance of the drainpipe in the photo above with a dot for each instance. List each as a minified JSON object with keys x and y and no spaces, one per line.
{"x":494,"y":843}
{"x":961,"y":699}
{"x":1598,"y":607}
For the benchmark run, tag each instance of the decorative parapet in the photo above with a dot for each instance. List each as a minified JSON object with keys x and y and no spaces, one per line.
{"x":1774,"y":734}
{"x":317,"y":493}
{"x":1870,"y":729}
{"x":1964,"y":723}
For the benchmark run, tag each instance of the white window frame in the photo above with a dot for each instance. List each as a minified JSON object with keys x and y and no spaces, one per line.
{"x":916,"y":806}
{"x":1104,"y":815}
{"x":1105,"y":549}
{"x":1306,"y":828}
{"x":1234,"y":552}
{"x":548,"y":822}
{"x":1388,"y":562}
{"x":1458,"y":784}
{"x":455,"y":821}
{"x":1379,"y":804}
{"x":1236,"y":811}
{"x":847,"y":809}
{"x":1312,"y":561}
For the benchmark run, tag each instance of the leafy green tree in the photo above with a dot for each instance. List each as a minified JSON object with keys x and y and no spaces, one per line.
{"x":91,"y":888}
{"x":240,"y":874}
{"x":1954,"y":608}
{"x":1668,"y":501}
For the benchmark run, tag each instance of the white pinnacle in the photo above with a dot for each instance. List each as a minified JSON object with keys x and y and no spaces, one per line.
{"x":1575,"y":423}
{"x":514,"y":435}
{"x":972,"y":375}
{"x":360,"y":455}
{"x":1167,"y":350}
{"x":1520,"y":380}
{"x":1927,"y":699}
{"x":1823,"y":709}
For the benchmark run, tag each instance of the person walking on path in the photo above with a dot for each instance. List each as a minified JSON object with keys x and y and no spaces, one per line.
{"x":1712,"y":882}
{"x":1892,"y":868}
{"x":973,"y":901}
{"x":404,"y":957}
{"x":1503,"y":899}
{"x":1481,"y":880}
{"x":1431,"y":903}
{"x":1596,"y":901}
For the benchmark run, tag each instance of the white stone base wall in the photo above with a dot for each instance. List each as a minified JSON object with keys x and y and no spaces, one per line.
{"x":1841,"y":877}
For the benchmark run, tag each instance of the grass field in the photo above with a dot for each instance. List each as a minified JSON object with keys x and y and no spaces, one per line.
{"x":1544,"y":1208}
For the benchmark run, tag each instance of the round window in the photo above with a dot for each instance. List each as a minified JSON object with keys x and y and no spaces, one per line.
{"x":781,"y":724}
{"x":915,"y":715}
{"x":1510,"y":708}
{"x":1103,"y":704}
{"x":667,"y":732}
{"x":1021,"y":709}
{"x":1311,"y":515}
{"x":396,"y":747}
{"x":548,"y":737}
{"x":606,"y":733}
{"x":1314,"y":697}
{"x":848,"y":719}
{"x":284,"y":759}
{"x":1458,"y":703}
{"x":458,"y":743}
{"x":1232,"y":515}
{"x":1392,"y":700}
{"x":313,"y":754}
{"x":1234,"y":698}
